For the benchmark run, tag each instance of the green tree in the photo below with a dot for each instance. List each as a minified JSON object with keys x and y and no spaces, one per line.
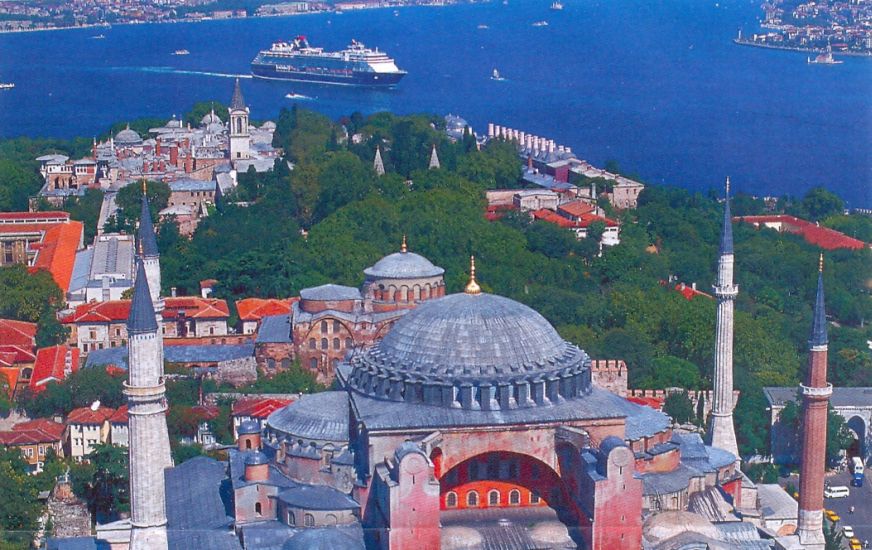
{"x":26,"y":295}
{"x":203,"y":108}
{"x":80,"y":389}
{"x":672,"y":372}
{"x":129,"y":201}
{"x":107,"y":491}
{"x":86,"y":209}
{"x":19,"y":507}
{"x":679,"y":406}
{"x":819,"y":203}
{"x":49,"y":331}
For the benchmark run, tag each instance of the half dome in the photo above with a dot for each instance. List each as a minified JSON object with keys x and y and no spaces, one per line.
{"x":403,"y":265}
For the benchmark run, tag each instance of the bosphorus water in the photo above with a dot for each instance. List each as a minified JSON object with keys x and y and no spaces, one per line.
{"x":658,"y":86}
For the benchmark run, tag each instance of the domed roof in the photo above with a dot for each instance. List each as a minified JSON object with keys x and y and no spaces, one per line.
{"x":403,"y":265}
{"x":215,"y":128}
{"x":319,"y":416}
{"x":210,"y":118}
{"x":665,"y":525}
{"x":248,"y":427}
{"x":330,"y":538}
{"x":476,"y":343}
{"x":268,"y":125}
{"x":127,"y":136}
{"x":256,"y":459}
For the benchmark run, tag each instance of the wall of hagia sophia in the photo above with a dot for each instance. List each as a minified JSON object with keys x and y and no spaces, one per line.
{"x":392,"y":294}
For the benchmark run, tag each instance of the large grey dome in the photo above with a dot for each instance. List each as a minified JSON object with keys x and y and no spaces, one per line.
{"x":473,"y":351}
{"x":128,"y":137}
{"x":319,"y":416}
{"x":403,"y":265}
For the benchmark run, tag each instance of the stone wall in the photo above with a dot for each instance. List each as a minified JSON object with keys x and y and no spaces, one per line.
{"x":237,"y":372}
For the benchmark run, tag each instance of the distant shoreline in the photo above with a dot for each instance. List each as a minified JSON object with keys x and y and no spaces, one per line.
{"x":796,"y":48}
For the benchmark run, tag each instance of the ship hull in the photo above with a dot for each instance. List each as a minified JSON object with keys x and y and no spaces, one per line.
{"x":346,"y":78}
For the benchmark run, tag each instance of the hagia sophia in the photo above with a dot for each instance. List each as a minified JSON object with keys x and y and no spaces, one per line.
{"x":467,"y":422}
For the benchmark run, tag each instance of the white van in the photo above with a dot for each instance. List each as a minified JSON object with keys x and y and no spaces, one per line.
{"x":838,"y":491}
{"x":856,"y":465}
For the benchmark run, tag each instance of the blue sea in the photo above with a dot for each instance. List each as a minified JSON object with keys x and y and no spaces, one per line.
{"x":657,"y":86}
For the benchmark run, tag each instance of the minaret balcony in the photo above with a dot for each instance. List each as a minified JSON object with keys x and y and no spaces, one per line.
{"x":815,"y":392}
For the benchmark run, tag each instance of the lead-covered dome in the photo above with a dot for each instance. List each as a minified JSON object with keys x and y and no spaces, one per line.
{"x":473,"y":351}
{"x":128,"y":137}
{"x":403,"y":265}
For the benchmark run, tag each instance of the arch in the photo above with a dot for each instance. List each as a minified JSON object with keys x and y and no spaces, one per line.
{"x":324,"y":343}
{"x":309,"y":520}
{"x":436,"y":459}
{"x":349,"y":343}
{"x":514,"y":497}
{"x":416,"y":293}
{"x":493,"y":498}
{"x":472,"y":499}
{"x":336,"y":344}
{"x":857,"y":425}
{"x":292,"y":520}
{"x":404,"y":294}
{"x":286,"y":363}
{"x":271,"y":363}
{"x":331,"y":519}
{"x":26,"y":373}
{"x":451,"y":499}
{"x":323,"y":327}
{"x":392,"y":294}
{"x":313,"y":363}
{"x":313,"y":344}
{"x":258,"y":509}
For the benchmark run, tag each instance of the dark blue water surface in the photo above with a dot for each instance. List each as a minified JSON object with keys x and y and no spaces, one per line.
{"x":659,"y":86}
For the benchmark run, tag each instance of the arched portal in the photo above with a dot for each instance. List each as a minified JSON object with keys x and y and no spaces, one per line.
{"x":858,"y":429}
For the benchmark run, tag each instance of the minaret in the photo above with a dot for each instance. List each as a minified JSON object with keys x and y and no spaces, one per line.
{"x":149,"y":443}
{"x":149,"y":253}
{"x":434,"y":159}
{"x":722,"y":433}
{"x":239,"y":138}
{"x":377,"y":163}
{"x":815,"y":395}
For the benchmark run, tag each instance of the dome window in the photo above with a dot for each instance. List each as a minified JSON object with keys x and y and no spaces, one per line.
{"x":472,"y":498}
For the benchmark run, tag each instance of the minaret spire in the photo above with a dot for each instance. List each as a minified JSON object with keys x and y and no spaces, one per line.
{"x":434,"y":159}
{"x":377,"y":163}
{"x":722,"y":432}
{"x":149,"y":443}
{"x":148,"y":250}
{"x":815,"y":396}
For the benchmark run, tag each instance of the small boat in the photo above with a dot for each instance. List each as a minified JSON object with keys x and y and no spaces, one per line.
{"x":99,"y":37}
{"x":181,"y":52}
{"x":496,"y":75}
{"x":294,"y":95}
{"x":7,"y":85}
{"x":540,"y":24}
{"x":396,"y":13}
{"x":557,"y":6}
{"x":482,"y":27}
{"x":825,"y":58}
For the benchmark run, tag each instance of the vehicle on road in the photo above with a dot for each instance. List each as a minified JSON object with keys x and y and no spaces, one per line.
{"x":848,"y":531}
{"x":837,"y":491}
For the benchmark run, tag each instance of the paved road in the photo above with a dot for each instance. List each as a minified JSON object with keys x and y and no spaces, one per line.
{"x":860,"y":499}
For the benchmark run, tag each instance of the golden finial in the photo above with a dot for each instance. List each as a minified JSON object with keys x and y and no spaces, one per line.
{"x":139,"y":247}
{"x":144,"y":186}
{"x":821,"y":263}
{"x":472,"y":286}
{"x":403,"y":247}
{"x":727,"y":185}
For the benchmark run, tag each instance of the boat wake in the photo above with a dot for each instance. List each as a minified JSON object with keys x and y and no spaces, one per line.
{"x":297,"y":96}
{"x":173,"y":70}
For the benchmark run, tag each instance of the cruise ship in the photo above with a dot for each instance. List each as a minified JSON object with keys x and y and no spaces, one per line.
{"x":356,"y":65}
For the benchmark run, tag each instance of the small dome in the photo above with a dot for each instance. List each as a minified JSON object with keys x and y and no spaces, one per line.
{"x":256,"y":459}
{"x":324,"y":539}
{"x":458,"y":537}
{"x":319,"y":416}
{"x":128,"y":137}
{"x":403,"y":265}
{"x":268,"y":125}
{"x":210,"y":118}
{"x":551,"y":534}
{"x":665,"y":525}
{"x":248,"y":427}
{"x":174,"y":123}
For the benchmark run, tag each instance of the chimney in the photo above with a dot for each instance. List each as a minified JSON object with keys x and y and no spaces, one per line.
{"x":174,"y":155}
{"x":529,"y":162}
{"x":157,"y":148}
{"x":173,"y":291}
{"x":490,"y":129}
{"x":693,"y":285}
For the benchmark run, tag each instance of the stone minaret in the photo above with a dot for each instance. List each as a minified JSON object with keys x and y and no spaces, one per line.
{"x":149,"y":444}
{"x":434,"y":159}
{"x":149,"y":253}
{"x":722,"y":433}
{"x":377,"y":163}
{"x":239,"y":138}
{"x":815,"y":395}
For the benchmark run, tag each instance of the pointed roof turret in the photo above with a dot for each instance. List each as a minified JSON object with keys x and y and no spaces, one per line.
{"x":141,"y":318}
{"x":727,"y":232}
{"x":819,"y":319}
{"x":434,"y":159}
{"x":237,"y":103}
{"x":147,"y":239}
{"x":472,"y":286}
{"x":377,"y":164}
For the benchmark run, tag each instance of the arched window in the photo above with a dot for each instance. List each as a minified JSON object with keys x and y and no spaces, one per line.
{"x":336,"y":343}
{"x":334,"y":362}
{"x":451,"y":500}
{"x":292,"y":521}
{"x":248,"y":446}
{"x":331,"y":519}
{"x":323,"y":327}
{"x":257,"y":509}
{"x":309,"y":520}
{"x":313,"y":363}
{"x":336,"y":326}
{"x":271,"y":363}
{"x":534,"y":497}
{"x":472,"y":498}
{"x":323,"y":343}
{"x":348,"y":343}
{"x":286,"y":363}
{"x":312,"y":344}
{"x":493,"y":498}
{"x":515,"y":497}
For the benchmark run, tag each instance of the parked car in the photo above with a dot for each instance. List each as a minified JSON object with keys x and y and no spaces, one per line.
{"x":837,"y":491}
{"x":848,"y":531}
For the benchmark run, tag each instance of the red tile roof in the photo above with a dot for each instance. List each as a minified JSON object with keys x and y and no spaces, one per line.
{"x":823,"y":237}
{"x":57,"y":252}
{"x":41,"y":430}
{"x":577,"y":209}
{"x":254,"y":309}
{"x":205,"y":412}
{"x":11,"y":375}
{"x":690,"y":293}
{"x":53,"y":364}
{"x":116,"y":311}
{"x":585,"y":221}
{"x":653,"y":402}
{"x":119,"y":416}
{"x":17,"y":333}
{"x":33,"y":217}
{"x":86,"y":415}
{"x":55,"y":429}
{"x":258,"y":408}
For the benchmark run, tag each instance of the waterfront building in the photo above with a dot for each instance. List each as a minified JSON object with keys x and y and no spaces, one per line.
{"x":722,"y":432}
